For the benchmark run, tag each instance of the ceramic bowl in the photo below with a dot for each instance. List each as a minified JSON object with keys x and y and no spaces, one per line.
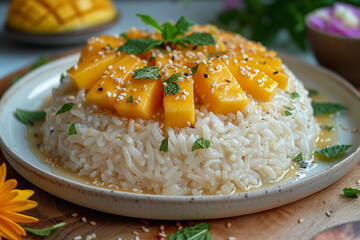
{"x":338,"y":53}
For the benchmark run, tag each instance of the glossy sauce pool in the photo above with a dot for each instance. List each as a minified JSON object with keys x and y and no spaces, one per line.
{"x":325,"y":138}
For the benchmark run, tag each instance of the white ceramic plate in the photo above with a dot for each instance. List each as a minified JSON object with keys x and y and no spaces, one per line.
{"x":30,"y":92}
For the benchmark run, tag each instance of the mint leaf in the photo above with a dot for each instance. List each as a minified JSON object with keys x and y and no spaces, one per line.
{"x":41,"y":61}
{"x":289,"y":108}
{"x":299,"y":159}
{"x":287,"y":113}
{"x":66,"y":107}
{"x":150,"y":21}
{"x":196,"y":232}
{"x":351,"y":192}
{"x":139,"y":45}
{"x":313,"y":92}
{"x":147,"y":73}
{"x":28,"y":117}
{"x":62,"y":77}
{"x":171,"y":86}
{"x":194,"y":69}
{"x":294,"y":95}
{"x":197,"y":38}
{"x":45,"y":232}
{"x":169,"y":32}
{"x":164,"y":145}
{"x":183,"y":25}
{"x":72,"y":130}
{"x":130,"y":99}
{"x":201,"y":143}
{"x":327,"y":127}
{"x":333,"y":151}
{"x":321,"y":108}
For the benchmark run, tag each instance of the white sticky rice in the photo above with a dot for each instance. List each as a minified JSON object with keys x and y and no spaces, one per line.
{"x":249,"y":148}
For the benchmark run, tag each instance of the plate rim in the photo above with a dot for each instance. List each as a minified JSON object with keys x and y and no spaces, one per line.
{"x":352,"y":158}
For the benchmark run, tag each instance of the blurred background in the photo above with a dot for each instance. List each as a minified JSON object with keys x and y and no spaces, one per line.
{"x":278,"y":24}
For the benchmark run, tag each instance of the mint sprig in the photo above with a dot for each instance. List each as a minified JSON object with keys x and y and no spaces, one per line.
{"x":146,"y":73}
{"x":45,"y":232}
{"x":201,"y":143}
{"x":171,"y":86}
{"x":333,"y":151}
{"x":72,"y":130}
{"x":66,"y":107}
{"x":29,"y":117}
{"x":170,"y":34}
{"x":321,"y":108}
{"x":351,"y":192}
{"x":196,"y":232}
{"x":299,"y":159}
{"x":164,"y":145}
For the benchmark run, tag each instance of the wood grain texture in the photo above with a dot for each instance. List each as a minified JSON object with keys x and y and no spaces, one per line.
{"x":278,"y":223}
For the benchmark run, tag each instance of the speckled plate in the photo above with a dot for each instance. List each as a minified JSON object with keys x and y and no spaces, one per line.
{"x":30,"y":93}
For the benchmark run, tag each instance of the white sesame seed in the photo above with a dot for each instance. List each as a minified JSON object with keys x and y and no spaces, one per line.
{"x":168,"y":48}
{"x":74,"y":214}
{"x":328,"y":214}
{"x":248,"y":74}
{"x":137,"y":102}
{"x":93,"y":223}
{"x":90,"y":48}
{"x":76,"y":67}
{"x":300,"y":220}
{"x":227,"y":62}
{"x":118,"y":53}
{"x":177,"y":97}
{"x":123,"y":94}
{"x":119,"y":238}
{"x":231,"y":238}
{"x":108,"y":94}
{"x":145,"y":229}
{"x":204,"y":61}
{"x":343,"y":127}
{"x":211,"y":69}
{"x":162,"y":228}
{"x":132,"y":56}
{"x":212,"y":91}
{"x":110,"y":67}
{"x":144,"y":87}
{"x":136,"y":233}
{"x":118,"y":87}
{"x":137,"y":238}
{"x":183,"y":97}
{"x":235,"y":61}
{"x":213,"y":84}
{"x":77,"y":238}
{"x":83,"y":219}
{"x":259,"y":81}
{"x":228,"y":224}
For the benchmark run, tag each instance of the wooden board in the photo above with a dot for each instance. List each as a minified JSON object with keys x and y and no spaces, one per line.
{"x":278,"y":223}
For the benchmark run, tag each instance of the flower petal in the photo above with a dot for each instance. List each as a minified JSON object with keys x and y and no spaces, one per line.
{"x":2,"y":173}
{"x":5,"y":200}
{"x":23,"y":194}
{"x":10,"y":230}
{"x":19,"y":206}
{"x":16,"y":217}
{"x":8,"y":186}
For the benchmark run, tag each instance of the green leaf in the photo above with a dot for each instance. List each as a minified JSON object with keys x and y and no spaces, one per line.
{"x":138,"y":46}
{"x":147,"y":73}
{"x":15,"y":79}
{"x":66,"y":107}
{"x":287,"y":113}
{"x":321,"y":108}
{"x":196,"y":232}
{"x":313,"y":92}
{"x":194,"y":69}
{"x":171,"y":86}
{"x":327,"y":127}
{"x":72,"y":130}
{"x":351,"y":192}
{"x":299,"y":159}
{"x":164,"y":145}
{"x":41,"y":61}
{"x":201,"y":143}
{"x":169,"y":32}
{"x":183,"y":25}
{"x":197,"y":38}
{"x":62,"y":77}
{"x":150,"y":21}
{"x":129,"y":99}
{"x":289,"y":108}
{"x":333,"y":151}
{"x":29,"y":117}
{"x":124,"y":36}
{"x":45,"y":232}
{"x":294,"y":95}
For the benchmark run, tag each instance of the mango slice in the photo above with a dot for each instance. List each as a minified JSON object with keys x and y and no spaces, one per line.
{"x":109,"y":89}
{"x":216,"y":86}
{"x":179,"y":109}
{"x":86,"y":73}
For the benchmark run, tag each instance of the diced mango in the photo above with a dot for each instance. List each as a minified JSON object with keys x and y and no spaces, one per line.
{"x":86,"y":73}
{"x":216,"y":86}
{"x":107,"y":90}
{"x":254,"y":82}
{"x":147,"y":95}
{"x":179,"y":109}
{"x":96,"y":46}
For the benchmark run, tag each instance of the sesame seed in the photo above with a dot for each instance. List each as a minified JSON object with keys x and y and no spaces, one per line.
{"x":145,"y":229}
{"x":328,"y":214}
{"x":231,"y":238}
{"x":137,"y":238}
{"x":144,"y":87}
{"x":83,"y":219}
{"x":235,"y":61}
{"x":136,"y":233}
{"x":300,"y":220}
{"x":137,"y":102}
{"x":162,"y":228}
{"x":108,"y":94}
{"x":227,"y":80}
{"x":211,"y":69}
{"x":227,"y":62}
{"x":110,"y":67}
{"x":93,"y":223}
{"x":259,"y":81}
{"x":358,"y":182}
{"x":123,"y":94}
{"x":76,"y":67}
{"x":77,"y":238}
{"x":213,"y":84}
{"x":228,"y":224}
{"x":165,"y":84}
{"x":177,"y":97}
{"x":355,"y":130}
{"x":118,"y":53}
{"x":74,"y":214}
{"x":212,"y":91}
{"x":183,"y":97}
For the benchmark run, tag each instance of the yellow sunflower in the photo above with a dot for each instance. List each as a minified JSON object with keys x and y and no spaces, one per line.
{"x":13,"y":201}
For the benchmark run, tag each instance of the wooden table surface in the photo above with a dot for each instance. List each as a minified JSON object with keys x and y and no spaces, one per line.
{"x":278,"y":223}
